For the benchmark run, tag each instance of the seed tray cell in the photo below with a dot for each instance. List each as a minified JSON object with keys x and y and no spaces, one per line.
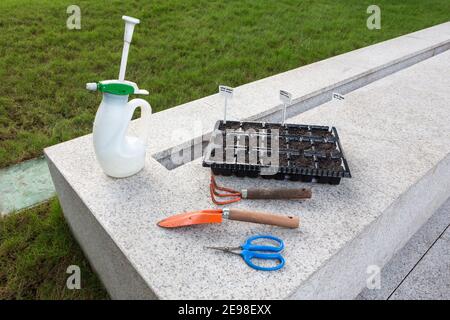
{"x":305,"y":153}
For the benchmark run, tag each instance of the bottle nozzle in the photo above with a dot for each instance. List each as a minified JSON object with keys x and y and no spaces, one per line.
{"x":128,"y":35}
{"x":92,"y":86}
{"x":130,"y":22}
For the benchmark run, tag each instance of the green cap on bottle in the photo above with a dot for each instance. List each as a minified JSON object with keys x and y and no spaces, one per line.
{"x":122,"y":89}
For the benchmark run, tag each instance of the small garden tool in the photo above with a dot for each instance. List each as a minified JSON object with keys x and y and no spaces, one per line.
{"x":120,"y":155}
{"x":250,"y":250}
{"x":217,"y":215}
{"x":254,"y":193}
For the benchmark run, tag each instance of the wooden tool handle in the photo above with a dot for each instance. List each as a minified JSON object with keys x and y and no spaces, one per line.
{"x":281,"y":193}
{"x":264,"y":218}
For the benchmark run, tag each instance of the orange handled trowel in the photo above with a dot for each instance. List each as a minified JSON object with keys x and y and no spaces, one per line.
{"x":216,"y":216}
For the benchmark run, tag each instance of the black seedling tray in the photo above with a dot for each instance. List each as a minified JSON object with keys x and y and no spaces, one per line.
{"x":306,"y":152}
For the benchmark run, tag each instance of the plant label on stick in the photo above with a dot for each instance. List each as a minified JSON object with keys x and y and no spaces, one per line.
{"x":337,"y":98}
{"x":227,"y":93}
{"x":286,"y":98}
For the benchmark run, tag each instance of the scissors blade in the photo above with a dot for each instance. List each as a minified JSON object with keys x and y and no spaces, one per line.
{"x":226,"y":249}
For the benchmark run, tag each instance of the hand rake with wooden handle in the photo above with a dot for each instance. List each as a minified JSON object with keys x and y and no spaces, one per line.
{"x":255,"y":193}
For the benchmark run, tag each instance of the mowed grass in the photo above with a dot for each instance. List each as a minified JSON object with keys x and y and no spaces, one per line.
{"x":36,"y":248}
{"x":181,"y":51}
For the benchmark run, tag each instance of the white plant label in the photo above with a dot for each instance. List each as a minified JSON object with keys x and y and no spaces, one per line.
{"x":337,"y":96}
{"x":285,"y":97}
{"x":227,"y":93}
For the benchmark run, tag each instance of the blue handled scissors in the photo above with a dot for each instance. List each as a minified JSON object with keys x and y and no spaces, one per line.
{"x":251,"y":251}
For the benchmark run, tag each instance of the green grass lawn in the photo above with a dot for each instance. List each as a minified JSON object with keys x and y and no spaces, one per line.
{"x":181,"y":51}
{"x":36,"y":248}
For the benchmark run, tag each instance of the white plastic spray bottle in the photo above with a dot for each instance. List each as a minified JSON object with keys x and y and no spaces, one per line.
{"x":120,"y":155}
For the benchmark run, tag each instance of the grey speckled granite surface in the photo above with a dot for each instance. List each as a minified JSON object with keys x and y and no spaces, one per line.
{"x":430,"y":279}
{"x":403,"y":275}
{"x":380,"y":126}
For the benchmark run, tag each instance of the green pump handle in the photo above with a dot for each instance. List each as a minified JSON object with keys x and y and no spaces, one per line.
{"x":115,"y":87}
{"x":121,"y":89}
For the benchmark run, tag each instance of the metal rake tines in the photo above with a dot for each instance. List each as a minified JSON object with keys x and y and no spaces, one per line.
{"x":233,"y":195}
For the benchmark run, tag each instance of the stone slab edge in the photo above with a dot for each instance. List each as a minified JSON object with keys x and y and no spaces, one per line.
{"x":314,"y":99}
{"x":115,"y":271}
{"x":345,"y":274}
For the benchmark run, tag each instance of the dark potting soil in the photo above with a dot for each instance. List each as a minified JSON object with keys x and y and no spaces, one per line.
{"x":330,"y":164}
{"x":252,"y":126}
{"x":328,"y":149}
{"x":304,"y":152}
{"x":301,"y":161}
{"x":275,"y":128}
{"x":297,"y":131}
{"x":265,"y":142}
{"x":281,"y":160}
{"x":229,"y":125}
{"x":272,"y":125}
{"x":299,"y":145}
{"x":328,"y":146}
{"x":321,"y":133}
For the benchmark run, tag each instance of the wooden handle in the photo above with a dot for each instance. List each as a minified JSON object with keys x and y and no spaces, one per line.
{"x":264,"y":218}
{"x":281,"y":193}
